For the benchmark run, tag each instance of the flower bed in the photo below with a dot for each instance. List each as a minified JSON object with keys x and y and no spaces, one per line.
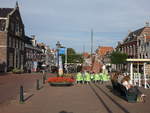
{"x":60,"y":81}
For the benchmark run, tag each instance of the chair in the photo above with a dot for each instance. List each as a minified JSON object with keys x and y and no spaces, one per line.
{"x":96,"y":78}
{"x":79,"y":77}
{"x":87,"y":78}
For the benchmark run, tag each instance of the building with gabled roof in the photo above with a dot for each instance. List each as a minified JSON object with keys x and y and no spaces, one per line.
{"x":134,"y":42}
{"x":103,"y":50}
{"x":136,"y":45}
{"x":12,"y":39}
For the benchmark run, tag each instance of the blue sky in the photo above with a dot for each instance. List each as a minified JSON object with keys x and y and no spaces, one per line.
{"x":70,"y":21}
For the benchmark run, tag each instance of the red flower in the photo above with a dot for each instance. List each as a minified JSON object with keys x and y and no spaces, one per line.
{"x":60,"y":79}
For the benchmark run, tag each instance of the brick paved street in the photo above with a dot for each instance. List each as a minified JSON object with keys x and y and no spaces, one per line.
{"x":10,"y":84}
{"x":93,"y":98}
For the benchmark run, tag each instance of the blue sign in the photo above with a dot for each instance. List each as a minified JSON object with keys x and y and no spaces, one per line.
{"x":62,"y":51}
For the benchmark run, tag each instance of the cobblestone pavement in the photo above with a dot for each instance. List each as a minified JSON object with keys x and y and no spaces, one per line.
{"x":10,"y":84}
{"x":87,"y":98}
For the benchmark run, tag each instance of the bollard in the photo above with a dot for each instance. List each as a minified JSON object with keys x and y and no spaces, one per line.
{"x":37,"y":85}
{"x":21,"y":94}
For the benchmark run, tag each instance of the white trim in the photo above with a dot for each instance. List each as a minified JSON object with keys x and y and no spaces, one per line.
{"x":138,"y":60}
{"x":3,"y":18}
{"x":3,"y":46}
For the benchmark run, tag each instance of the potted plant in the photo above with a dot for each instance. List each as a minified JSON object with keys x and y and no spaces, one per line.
{"x":60,"y":81}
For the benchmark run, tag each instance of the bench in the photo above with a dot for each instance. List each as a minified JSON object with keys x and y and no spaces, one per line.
{"x":124,"y":93}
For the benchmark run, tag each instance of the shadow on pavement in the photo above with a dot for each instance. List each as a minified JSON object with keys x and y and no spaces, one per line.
{"x":28,"y":97}
{"x":114,"y":101}
{"x":114,"y":92}
{"x":101,"y":100}
{"x":65,"y":112}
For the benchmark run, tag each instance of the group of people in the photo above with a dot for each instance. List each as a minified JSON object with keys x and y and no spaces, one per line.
{"x":125,"y":81}
{"x":87,"y":77}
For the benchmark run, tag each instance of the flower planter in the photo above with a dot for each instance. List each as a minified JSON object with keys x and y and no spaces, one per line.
{"x":60,"y":83}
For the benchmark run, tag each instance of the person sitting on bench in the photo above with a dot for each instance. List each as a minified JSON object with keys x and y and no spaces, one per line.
{"x":134,"y":89}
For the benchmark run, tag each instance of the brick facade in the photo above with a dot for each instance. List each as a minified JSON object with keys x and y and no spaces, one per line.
{"x":11,"y":38}
{"x":136,"y":45}
{"x":131,"y":45}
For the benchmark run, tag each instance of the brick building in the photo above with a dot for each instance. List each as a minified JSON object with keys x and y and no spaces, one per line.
{"x":103,"y":50}
{"x":86,"y":66}
{"x":33,"y":54}
{"x":136,"y":44}
{"x":102,"y":53}
{"x":11,"y":38}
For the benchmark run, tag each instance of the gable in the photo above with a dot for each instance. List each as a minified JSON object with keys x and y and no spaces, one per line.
{"x":4,"y":12}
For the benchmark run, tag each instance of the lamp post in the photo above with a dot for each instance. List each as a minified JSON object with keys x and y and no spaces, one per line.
{"x":58,"y":45}
{"x":66,"y":60}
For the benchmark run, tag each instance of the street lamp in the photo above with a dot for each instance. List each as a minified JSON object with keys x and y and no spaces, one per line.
{"x":58,"y":45}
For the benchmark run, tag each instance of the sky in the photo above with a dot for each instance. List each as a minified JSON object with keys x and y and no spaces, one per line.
{"x":71,"y":21}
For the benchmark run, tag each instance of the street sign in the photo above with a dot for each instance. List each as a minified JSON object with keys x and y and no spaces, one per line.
{"x":62,"y":51}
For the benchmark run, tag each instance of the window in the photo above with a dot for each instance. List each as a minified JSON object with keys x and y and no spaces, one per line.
{"x":146,"y":56}
{"x":21,"y":32}
{"x":2,"y":24}
{"x":17,"y":29}
{"x":10,"y":59}
{"x":23,"y":45}
{"x":147,"y":44}
{"x":12,"y":27}
{"x":139,"y":42}
{"x":14,"y":43}
{"x":20,"y":44}
{"x":9,"y":42}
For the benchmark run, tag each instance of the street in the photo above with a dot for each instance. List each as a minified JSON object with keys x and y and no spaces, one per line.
{"x":80,"y":98}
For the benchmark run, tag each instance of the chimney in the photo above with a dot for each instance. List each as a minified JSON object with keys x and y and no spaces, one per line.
{"x":129,"y":31}
{"x":146,"y":24}
{"x":33,"y":40}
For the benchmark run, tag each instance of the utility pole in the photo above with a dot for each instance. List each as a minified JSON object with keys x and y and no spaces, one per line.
{"x":83,"y":48}
{"x":91,"y":42}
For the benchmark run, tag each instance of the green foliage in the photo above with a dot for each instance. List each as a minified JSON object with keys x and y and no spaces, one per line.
{"x":72,"y":57}
{"x":70,"y":51}
{"x":118,"y":57}
{"x":75,"y":58}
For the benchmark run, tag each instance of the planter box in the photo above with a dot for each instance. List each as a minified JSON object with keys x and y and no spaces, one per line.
{"x":60,"y":84}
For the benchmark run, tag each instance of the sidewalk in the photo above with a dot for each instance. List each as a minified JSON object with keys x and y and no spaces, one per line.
{"x":77,"y":99}
{"x":10,"y":84}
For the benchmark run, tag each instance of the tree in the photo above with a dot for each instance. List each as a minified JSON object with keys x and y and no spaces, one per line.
{"x":72,"y":56}
{"x":70,"y":51}
{"x":118,"y":57}
{"x":76,"y":58}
